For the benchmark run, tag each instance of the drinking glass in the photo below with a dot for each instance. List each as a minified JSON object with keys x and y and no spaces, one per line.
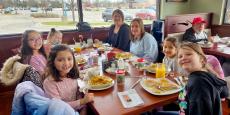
{"x":77,"y":48}
{"x":160,"y":70}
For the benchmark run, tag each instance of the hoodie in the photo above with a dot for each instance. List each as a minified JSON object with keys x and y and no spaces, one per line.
{"x":204,"y":93}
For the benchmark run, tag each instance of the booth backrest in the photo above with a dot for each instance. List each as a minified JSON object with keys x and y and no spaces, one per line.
{"x":180,"y":23}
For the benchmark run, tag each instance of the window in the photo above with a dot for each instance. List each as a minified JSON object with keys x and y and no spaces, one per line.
{"x":227,"y":12}
{"x":16,"y":16}
{"x":98,"y":13}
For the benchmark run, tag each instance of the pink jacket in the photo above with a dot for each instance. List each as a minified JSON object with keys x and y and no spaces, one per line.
{"x":215,"y":64}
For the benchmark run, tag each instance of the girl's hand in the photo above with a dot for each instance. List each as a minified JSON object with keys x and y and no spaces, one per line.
{"x":173,"y":74}
{"x":87,"y":98}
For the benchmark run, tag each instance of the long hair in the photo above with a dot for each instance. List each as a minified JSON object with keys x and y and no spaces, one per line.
{"x":141,"y":25}
{"x":197,"y":49}
{"x":52,"y":70}
{"x":118,"y":11}
{"x":26,"y":51}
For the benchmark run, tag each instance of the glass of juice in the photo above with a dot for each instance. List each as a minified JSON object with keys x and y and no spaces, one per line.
{"x":77,"y":48}
{"x":160,"y":70}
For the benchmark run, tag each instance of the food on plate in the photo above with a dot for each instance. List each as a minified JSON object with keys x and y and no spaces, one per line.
{"x":160,"y":85}
{"x":150,"y":68}
{"x":97,"y":45}
{"x":123,"y":55}
{"x":80,"y":60}
{"x":100,"y":81}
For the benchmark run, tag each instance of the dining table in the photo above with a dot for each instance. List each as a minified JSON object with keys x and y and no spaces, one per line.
{"x":220,"y":48}
{"x":107,"y":102}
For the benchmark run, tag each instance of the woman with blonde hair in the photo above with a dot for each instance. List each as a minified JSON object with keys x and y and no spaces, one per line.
{"x":142,"y":43}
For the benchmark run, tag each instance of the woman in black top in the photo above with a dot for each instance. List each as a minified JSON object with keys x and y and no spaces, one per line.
{"x":119,"y":33}
{"x":204,"y":90}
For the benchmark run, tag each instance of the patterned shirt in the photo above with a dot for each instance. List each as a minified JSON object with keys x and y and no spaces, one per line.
{"x":38,"y":62}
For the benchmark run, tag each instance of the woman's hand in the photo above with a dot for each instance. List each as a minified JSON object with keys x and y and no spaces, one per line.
{"x":87,"y":98}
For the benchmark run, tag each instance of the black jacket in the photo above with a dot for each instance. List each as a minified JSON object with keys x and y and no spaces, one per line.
{"x":189,"y":36}
{"x":204,"y":93}
{"x":121,"y":40}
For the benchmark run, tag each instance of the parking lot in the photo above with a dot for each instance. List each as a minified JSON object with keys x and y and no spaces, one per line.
{"x":17,"y":23}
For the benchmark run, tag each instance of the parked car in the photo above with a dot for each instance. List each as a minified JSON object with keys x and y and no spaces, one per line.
{"x":8,"y":10}
{"x":146,"y":14}
{"x":151,"y":7}
{"x":107,"y":14}
{"x":33,"y":9}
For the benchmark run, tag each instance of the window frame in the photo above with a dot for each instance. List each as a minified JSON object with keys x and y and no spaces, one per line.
{"x":225,"y":12}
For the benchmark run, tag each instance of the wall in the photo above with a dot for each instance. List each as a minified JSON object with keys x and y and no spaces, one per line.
{"x":194,"y":6}
{"x":215,"y":6}
{"x":173,"y":8}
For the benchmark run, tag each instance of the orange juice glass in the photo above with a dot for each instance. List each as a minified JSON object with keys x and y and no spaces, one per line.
{"x":78,"y":49}
{"x":160,"y":70}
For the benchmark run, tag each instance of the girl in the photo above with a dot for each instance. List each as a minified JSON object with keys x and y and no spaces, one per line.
{"x":61,"y":81}
{"x":32,"y":51}
{"x":119,"y":33}
{"x":170,"y":50}
{"x":204,"y":90}
{"x":54,"y":37}
{"x":142,"y":44}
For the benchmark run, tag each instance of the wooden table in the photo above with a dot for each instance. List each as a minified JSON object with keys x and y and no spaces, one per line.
{"x":107,"y":102}
{"x":215,"y":52}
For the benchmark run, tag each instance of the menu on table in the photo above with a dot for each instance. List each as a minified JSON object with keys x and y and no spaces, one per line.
{"x":130,"y":98}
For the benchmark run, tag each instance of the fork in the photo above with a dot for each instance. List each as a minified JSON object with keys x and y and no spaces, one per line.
{"x":181,"y":81}
{"x":177,"y":81}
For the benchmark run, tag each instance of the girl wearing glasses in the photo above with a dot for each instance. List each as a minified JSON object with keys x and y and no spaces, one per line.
{"x":32,"y":51}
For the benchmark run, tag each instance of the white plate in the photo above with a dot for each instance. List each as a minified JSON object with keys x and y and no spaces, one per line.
{"x":207,"y":45}
{"x":162,"y":93}
{"x":111,"y":70}
{"x":103,"y":88}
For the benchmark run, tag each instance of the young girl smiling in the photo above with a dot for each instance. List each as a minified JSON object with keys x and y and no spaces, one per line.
{"x":61,"y":81}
